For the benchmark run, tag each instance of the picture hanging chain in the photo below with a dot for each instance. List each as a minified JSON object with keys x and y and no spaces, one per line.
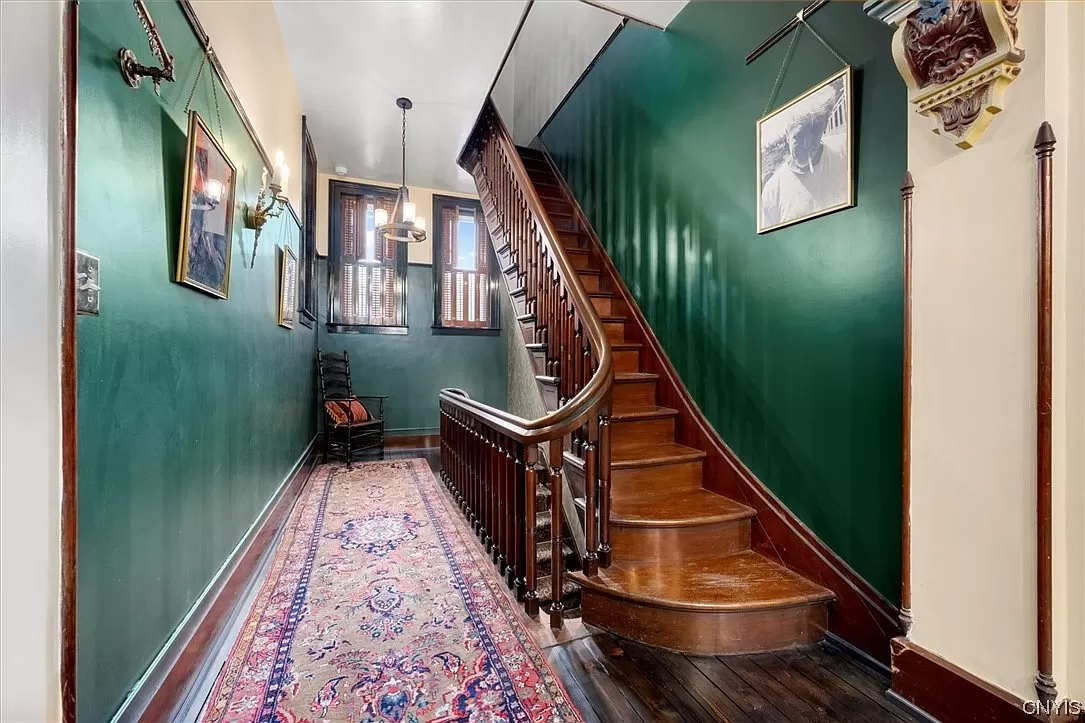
{"x":214,"y":94}
{"x":791,"y":49}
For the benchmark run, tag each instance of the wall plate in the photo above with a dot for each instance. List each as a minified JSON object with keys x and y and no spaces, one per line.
{"x":86,"y":283}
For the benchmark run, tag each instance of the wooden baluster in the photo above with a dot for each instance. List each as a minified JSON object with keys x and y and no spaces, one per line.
{"x":531,"y":595}
{"x":493,"y":545}
{"x":557,"y":561}
{"x":503,"y":505}
{"x":516,"y":577}
{"x":472,"y":465}
{"x":604,"y":485}
{"x":591,"y":511}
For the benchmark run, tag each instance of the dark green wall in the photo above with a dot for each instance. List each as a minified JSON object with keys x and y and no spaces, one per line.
{"x":192,"y":410}
{"x":789,"y":342}
{"x":412,"y":369}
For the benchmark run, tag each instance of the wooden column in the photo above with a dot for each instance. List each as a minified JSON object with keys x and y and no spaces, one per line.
{"x":1045,"y":149}
{"x":906,"y":190}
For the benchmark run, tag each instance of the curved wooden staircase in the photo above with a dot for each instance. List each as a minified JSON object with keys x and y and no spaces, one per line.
{"x":683,"y":574}
{"x":668,"y":562}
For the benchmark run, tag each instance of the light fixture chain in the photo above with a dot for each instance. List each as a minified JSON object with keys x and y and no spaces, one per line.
{"x":215,"y":95}
{"x":196,"y":82}
{"x":783,"y":65}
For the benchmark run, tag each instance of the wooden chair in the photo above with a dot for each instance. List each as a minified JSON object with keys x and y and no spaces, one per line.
{"x":353,"y":424}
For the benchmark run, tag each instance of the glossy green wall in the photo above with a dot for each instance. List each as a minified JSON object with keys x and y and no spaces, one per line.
{"x":412,"y":369}
{"x":192,"y":410}
{"x":790,"y":342}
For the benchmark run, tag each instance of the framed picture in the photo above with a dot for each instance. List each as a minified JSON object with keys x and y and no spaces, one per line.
{"x":804,"y":155}
{"x":288,"y":288}
{"x":203,"y":256}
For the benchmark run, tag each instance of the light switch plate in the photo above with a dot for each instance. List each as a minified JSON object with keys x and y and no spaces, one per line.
{"x":86,"y":283}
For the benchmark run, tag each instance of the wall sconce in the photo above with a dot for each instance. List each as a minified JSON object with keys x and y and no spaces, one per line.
{"x":271,"y":202}
{"x":131,"y":70}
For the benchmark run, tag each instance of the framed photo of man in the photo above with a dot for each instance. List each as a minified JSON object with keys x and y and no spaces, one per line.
{"x":804,"y":155}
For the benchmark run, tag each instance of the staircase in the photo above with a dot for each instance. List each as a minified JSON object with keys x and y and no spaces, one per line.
{"x":683,"y":575}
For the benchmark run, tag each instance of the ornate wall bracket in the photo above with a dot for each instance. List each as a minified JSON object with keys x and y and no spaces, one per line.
{"x":957,"y":58}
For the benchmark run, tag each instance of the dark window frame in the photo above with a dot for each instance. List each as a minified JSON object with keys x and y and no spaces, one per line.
{"x":307,"y":266}
{"x":336,"y":190}
{"x":441,"y":202}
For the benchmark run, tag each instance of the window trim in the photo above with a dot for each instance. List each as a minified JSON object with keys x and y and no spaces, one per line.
{"x":336,"y":190}
{"x":307,"y":300}
{"x":441,"y":202}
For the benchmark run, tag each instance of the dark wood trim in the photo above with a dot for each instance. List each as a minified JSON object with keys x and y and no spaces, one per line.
{"x":624,"y":16}
{"x":488,"y":98}
{"x":205,"y":42}
{"x":1045,"y":149}
{"x":166,"y":686}
{"x":365,"y":329}
{"x":69,"y":505}
{"x":438,"y":330}
{"x":948,"y":692}
{"x":441,"y":201}
{"x":594,"y":60}
{"x":860,"y":615}
{"x":413,"y":441}
{"x":906,"y":191}
{"x":309,"y":178}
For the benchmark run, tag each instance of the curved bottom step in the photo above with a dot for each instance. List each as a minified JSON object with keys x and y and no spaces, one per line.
{"x":737,"y":603}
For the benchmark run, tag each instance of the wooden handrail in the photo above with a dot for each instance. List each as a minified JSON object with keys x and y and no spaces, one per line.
{"x":490,"y":458}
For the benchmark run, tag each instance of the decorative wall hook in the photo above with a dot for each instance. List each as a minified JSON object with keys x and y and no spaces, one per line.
{"x":271,"y":201}
{"x":957,"y":58}
{"x":132,"y":70}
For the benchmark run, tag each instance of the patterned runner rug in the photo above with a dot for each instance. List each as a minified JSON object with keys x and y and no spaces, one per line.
{"x":380,"y":606}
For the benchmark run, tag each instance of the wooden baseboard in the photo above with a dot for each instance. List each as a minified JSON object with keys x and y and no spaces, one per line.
{"x":948,"y":692}
{"x":162,"y":690}
{"x":412,"y":441}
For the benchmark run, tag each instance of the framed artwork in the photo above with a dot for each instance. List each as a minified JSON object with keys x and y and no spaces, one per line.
{"x":203,"y":256}
{"x":288,"y":289}
{"x":804,"y":155}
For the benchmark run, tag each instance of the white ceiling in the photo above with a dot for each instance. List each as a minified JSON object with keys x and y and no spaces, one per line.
{"x":351,"y":60}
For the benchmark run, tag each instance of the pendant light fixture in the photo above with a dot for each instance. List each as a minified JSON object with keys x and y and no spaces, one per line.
{"x":410,"y":228}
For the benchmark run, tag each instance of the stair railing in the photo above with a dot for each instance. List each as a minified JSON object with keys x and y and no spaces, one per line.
{"x":491,"y":459}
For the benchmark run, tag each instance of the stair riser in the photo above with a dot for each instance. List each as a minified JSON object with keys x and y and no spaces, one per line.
{"x":590,"y":282}
{"x":641,"y":432}
{"x":652,"y":480}
{"x":706,"y":633}
{"x":604,"y":305}
{"x":581,"y":261}
{"x":667,"y":545}
{"x":627,"y":360}
{"x":615,"y":331}
{"x":549,"y":395}
{"x":572,"y":241}
{"x":538,"y":361}
{"x":630,"y":395}
{"x":565,"y":223}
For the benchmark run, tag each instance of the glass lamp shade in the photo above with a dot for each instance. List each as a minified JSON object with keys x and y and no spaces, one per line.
{"x":420,"y":223}
{"x":408,"y":212}
{"x":380,"y":217}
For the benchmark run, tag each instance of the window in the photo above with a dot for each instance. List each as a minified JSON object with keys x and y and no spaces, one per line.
{"x":464,"y":269}
{"x":367,"y":279}
{"x":307,"y":262}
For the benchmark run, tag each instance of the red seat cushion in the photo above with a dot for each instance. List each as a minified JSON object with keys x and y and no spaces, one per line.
{"x":345,"y":413}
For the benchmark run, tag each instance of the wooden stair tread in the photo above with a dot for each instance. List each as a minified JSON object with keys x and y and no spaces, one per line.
{"x":634,"y":376}
{"x":645,"y":455}
{"x":644,"y":413}
{"x":678,"y":508}
{"x":733,"y":582}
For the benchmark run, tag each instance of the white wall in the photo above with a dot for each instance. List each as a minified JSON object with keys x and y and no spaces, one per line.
{"x":29,"y":361}
{"x":421,"y":197}
{"x":247,"y":39}
{"x":974,"y":373}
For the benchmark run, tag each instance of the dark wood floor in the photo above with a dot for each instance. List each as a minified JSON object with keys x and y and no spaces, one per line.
{"x":615,"y":681}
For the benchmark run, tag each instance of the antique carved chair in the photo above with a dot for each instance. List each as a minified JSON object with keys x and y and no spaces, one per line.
{"x":353,"y":424}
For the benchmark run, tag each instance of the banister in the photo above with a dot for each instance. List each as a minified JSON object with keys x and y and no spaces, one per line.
{"x":577,"y":411}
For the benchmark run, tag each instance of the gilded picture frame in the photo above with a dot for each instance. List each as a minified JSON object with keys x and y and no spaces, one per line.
{"x":805,"y":155}
{"x":288,"y":288}
{"x":207,"y":215}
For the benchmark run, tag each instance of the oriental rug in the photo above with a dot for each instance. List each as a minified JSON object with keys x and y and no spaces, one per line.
{"x":380,"y":606}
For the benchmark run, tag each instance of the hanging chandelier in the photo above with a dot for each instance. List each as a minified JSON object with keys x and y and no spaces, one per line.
{"x":411,"y":228}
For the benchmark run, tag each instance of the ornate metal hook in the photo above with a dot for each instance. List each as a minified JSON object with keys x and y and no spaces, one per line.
{"x":132,"y":70}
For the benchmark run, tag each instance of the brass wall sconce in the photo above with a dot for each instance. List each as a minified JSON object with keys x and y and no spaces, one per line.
{"x":270,"y":203}
{"x":132,"y":70}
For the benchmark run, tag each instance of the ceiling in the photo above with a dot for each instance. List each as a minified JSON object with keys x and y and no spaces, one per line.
{"x":351,"y":60}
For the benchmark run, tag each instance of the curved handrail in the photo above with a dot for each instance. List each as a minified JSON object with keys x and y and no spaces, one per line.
{"x":577,"y":410}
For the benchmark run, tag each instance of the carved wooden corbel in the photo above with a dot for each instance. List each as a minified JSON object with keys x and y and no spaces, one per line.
{"x":957,"y":58}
